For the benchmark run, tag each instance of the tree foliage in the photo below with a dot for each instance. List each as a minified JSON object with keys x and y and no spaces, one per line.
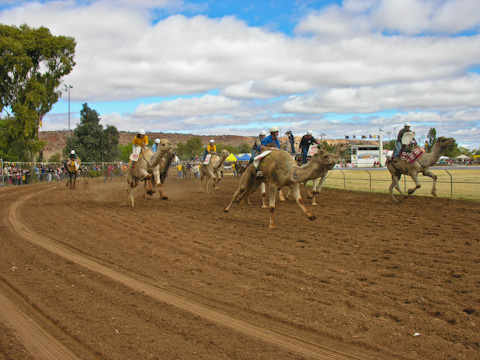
{"x":32,"y":65}
{"x":90,"y":141}
{"x":191,"y":149}
{"x":431,"y":139}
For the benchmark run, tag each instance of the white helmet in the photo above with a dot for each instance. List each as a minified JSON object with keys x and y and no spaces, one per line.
{"x":157,"y":141}
{"x":72,"y":152}
{"x":309,"y":132}
{"x":212,"y":141}
{"x":407,"y":124}
{"x":263,"y":132}
{"x":141,"y":132}
{"x":274,"y":129}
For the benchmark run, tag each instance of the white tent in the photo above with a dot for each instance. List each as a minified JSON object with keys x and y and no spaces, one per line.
{"x":462,"y":158}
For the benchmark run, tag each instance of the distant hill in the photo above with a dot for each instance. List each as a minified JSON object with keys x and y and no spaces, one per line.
{"x":56,"y":140}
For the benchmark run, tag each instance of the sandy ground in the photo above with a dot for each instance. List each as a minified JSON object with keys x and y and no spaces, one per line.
{"x":84,"y":275}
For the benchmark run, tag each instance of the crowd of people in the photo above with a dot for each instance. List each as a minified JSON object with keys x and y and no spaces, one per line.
{"x":16,"y":173}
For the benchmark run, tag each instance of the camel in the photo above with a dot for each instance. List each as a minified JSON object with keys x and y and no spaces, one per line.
{"x":280,"y":169}
{"x":145,"y":167}
{"x":421,"y":165}
{"x":161,"y":170}
{"x":339,"y":150}
{"x":212,"y":170}
{"x":73,"y":173}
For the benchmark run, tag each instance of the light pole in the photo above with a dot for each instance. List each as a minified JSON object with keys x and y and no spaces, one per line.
{"x":321,"y":137}
{"x":394,"y":131}
{"x":68,"y":87}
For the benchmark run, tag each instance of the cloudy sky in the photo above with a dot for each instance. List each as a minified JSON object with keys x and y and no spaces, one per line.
{"x":211,"y":67}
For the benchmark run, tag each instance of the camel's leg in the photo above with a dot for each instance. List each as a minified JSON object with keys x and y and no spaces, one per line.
{"x":264,"y":196}
{"x":163,"y":196}
{"x":271,"y":205}
{"x":74,"y":182}
{"x":309,"y":196}
{"x":280,"y":195}
{"x":434,"y":178}
{"x":317,"y":188}
{"x":395,"y":185}
{"x":83,"y":174}
{"x":298,"y":198}
{"x":241,"y":189}
{"x":248,"y":185}
{"x":132,"y":184}
{"x":414,"y":176}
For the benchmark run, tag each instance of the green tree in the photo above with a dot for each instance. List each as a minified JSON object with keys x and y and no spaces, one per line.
{"x":244,"y":148}
{"x":390,"y":145}
{"x":431,"y":139}
{"x":125,"y":151}
{"x":453,"y":151}
{"x":33,"y":63}
{"x":55,"y":158}
{"x":90,"y":141}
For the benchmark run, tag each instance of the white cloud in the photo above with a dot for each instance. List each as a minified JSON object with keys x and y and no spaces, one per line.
{"x":340,"y":62}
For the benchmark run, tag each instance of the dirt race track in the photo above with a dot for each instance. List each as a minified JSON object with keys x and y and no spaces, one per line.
{"x":83,"y":275}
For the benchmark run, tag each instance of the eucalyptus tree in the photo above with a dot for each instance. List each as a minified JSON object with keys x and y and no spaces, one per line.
{"x":32,"y":65}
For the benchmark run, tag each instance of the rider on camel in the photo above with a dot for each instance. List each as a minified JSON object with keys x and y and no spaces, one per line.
{"x":398,"y":143}
{"x":139,"y":141}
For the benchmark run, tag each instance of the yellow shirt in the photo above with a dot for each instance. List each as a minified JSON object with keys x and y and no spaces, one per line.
{"x":140,"y":142}
{"x":211,"y":148}
{"x":179,"y":167}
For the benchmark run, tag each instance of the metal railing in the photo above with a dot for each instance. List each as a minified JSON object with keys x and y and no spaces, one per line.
{"x":449,"y":182}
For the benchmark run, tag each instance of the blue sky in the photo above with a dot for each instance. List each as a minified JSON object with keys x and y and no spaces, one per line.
{"x":238,"y":67}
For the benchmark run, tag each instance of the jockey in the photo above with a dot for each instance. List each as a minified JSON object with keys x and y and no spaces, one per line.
{"x":72,"y":157}
{"x":211,"y":148}
{"x":155,"y":145}
{"x":398,"y":143}
{"x":140,"y":141}
{"x":271,"y":139}
{"x":256,"y":145}
{"x":305,"y":143}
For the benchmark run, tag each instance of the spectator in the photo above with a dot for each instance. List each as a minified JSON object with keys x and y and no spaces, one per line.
{"x":291,"y":140}
{"x":179,"y":171}
{"x":196,"y":171}
{"x":109,"y":173}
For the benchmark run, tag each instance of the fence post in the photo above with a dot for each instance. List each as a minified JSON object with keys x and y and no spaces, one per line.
{"x":344,"y":183}
{"x":3,"y":174}
{"x":451,"y":183}
{"x":368,"y":172}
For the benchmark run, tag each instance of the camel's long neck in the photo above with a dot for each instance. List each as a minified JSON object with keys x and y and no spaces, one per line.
{"x":220,"y":161}
{"x":432,"y":158}
{"x":157,"y":157}
{"x":308,"y":171}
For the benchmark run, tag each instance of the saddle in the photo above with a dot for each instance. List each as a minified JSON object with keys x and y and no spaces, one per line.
{"x":256,"y":159}
{"x":410,"y":153}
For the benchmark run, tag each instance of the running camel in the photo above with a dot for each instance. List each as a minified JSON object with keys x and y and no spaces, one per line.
{"x":280,"y":169}
{"x":144,"y":169}
{"x":421,"y":165}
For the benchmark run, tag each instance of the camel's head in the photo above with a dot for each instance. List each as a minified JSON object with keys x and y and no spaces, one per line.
{"x":341,"y":148}
{"x":445,"y":142}
{"x":165,"y":146}
{"x":225,"y":153}
{"x":324,"y":159}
